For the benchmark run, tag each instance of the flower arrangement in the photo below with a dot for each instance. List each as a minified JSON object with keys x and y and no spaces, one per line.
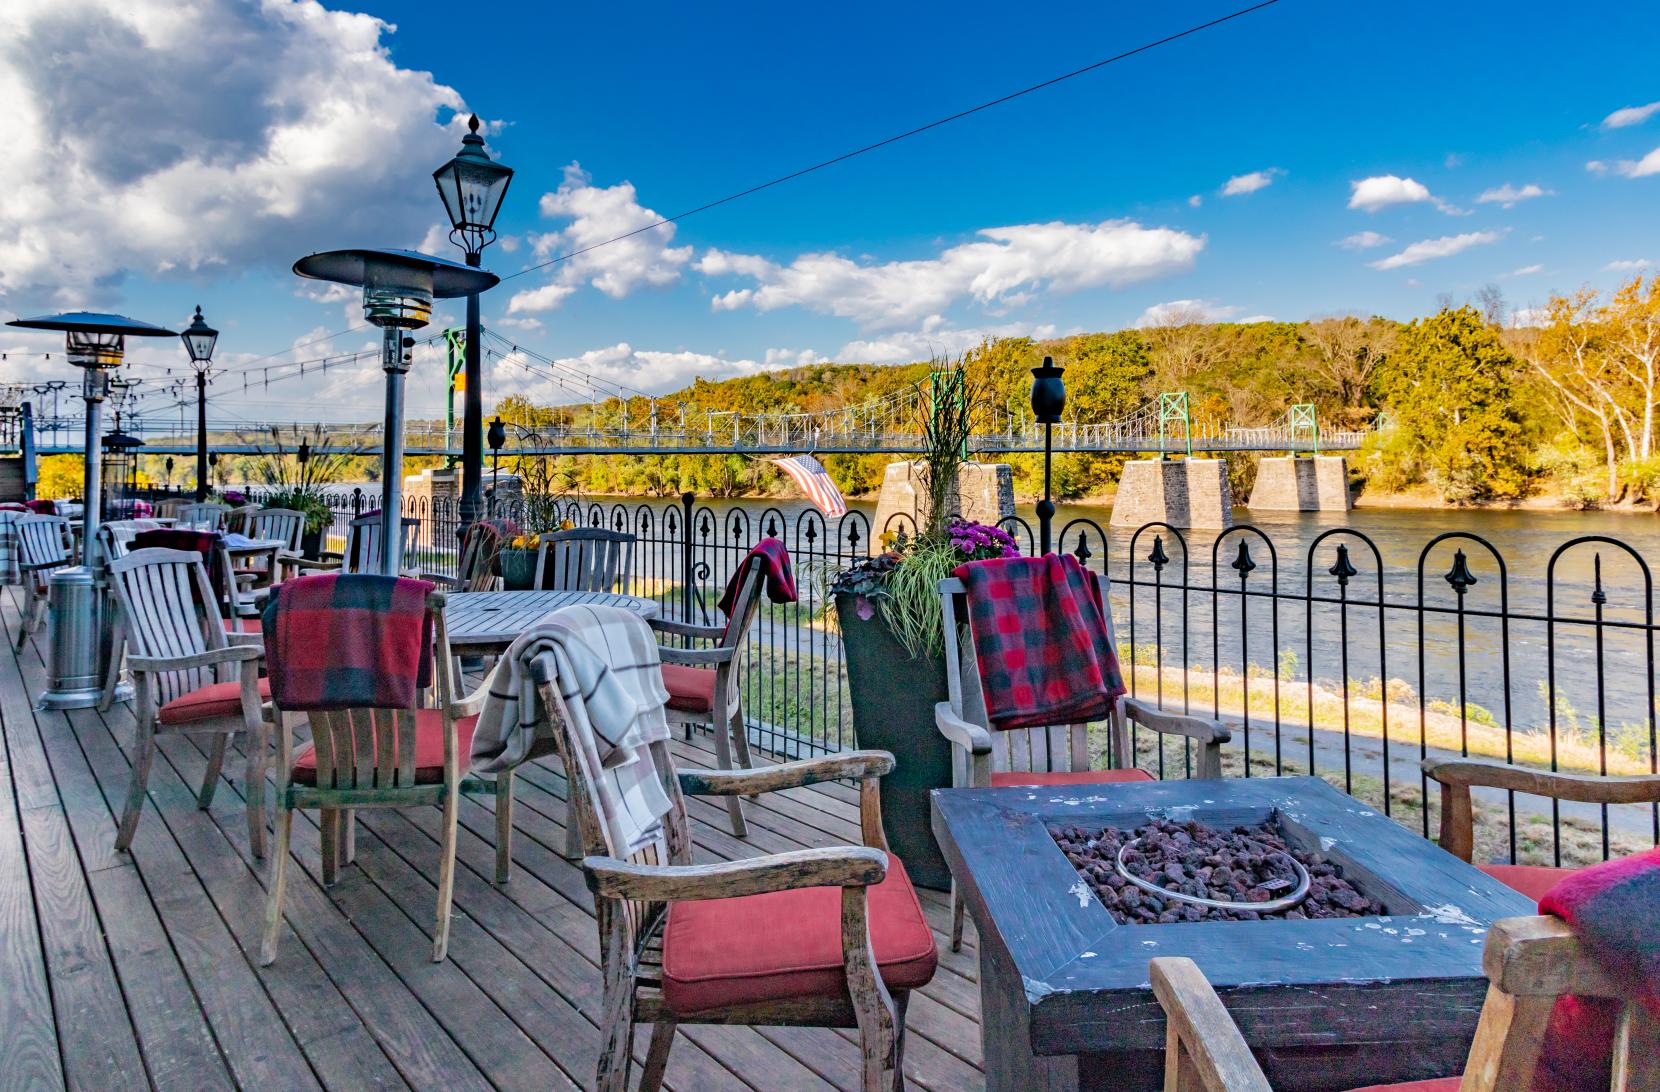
{"x":533,"y":541}
{"x":233,"y":497}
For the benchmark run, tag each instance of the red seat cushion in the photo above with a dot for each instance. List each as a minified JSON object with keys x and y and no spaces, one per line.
{"x":429,"y":749}
{"x":691,"y":689}
{"x":213,"y":700}
{"x":1439,"y":1084}
{"x":242,"y":625}
{"x":1531,"y":880}
{"x":788,"y":944}
{"x":1071,"y":777}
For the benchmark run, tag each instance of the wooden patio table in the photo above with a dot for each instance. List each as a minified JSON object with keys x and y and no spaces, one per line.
{"x":486,"y":622}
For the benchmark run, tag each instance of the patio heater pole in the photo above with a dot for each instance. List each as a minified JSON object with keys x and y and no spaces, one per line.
{"x":1048,"y":400}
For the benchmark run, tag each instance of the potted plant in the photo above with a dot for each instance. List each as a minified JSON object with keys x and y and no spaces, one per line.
{"x":517,"y":560}
{"x":893,"y":637}
{"x":297,"y":466}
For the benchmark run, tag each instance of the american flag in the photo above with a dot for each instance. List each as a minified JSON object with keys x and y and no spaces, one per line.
{"x":814,"y":480}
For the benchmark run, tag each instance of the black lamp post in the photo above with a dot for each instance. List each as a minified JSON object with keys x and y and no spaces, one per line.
{"x":213,"y":467}
{"x":1048,"y":400}
{"x":472,"y":186}
{"x":497,"y":437}
{"x":169,"y":465}
{"x":199,"y":339}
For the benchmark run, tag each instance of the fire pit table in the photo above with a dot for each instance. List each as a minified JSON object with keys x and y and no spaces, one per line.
{"x":1327,"y":1003}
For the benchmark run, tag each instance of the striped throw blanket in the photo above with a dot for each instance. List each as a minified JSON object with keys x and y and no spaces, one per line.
{"x":9,"y":573}
{"x":605,"y":664}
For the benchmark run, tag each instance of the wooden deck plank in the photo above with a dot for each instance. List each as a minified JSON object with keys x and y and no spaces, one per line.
{"x":28,"y":1030}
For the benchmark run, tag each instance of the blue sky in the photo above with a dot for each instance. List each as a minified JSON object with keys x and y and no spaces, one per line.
{"x":188,"y":153}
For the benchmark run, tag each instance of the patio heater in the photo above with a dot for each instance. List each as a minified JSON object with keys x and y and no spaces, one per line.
{"x":1048,"y":400}
{"x":496,"y":438}
{"x":78,"y":618}
{"x":398,"y":289}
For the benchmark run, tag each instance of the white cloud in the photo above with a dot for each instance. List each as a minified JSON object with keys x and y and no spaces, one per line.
{"x":598,"y":214}
{"x":1508,"y":195}
{"x":146,"y":136}
{"x":1628,"y":168}
{"x":656,"y":371}
{"x":1363,"y":240}
{"x":1444,"y":247}
{"x":1195,"y":201}
{"x":1002,"y":267}
{"x":1596,"y":166}
{"x":1250,"y":183}
{"x":1627,"y":265}
{"x":1630,"y":115}
{"x":1184,"y":312}
{"x":1530,"y":316}
{"x":1526,"y":271}
{"x":1383,"y":190}
{"x":933,"y":340}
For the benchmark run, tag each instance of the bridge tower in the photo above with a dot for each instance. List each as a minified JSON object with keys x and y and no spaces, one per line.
{"x":1174,"y":412}
{"x":1186,"y":493}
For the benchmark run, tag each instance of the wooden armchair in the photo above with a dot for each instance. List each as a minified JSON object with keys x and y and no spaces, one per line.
{"x":1530,"y":962}
{"x":705,"y":684}
{"x":169,"y":508}
{"x":41,"y":548}
{"x":584,"y":559}
{"x":1457,"y":776}
{"x":236,"y":519}
{"x":285,"y":525}
{"x":783,"y":939}
{"x":475,"y":570}
{"x":1057,"y":755}
{"x":206,"y":515}
{"x":188,"y":676}
{"x":363,"y":547}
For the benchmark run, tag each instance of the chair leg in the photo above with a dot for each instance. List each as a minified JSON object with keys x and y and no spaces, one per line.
{"x":328,"y":823}
{"x":215,"y":767}
{"x":253,"y":789}
{"x":446,"y":875}
{"x":276,"y":887}
{"x":901,"y":1000}
{"x":348,"y":835}
{"x":504,"y":826}
{"x":740,"y":738}
{"x":144,"y":746}
{"x":657,"y":1054}
{"x":723,"y":760}
{"x":31,"y":612}
{"x":118,"y":654}
{"x":616,"y":1053}
{"x":956,"y":918}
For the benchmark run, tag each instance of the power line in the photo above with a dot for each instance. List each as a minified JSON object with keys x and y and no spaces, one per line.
{"x":958,"y":116}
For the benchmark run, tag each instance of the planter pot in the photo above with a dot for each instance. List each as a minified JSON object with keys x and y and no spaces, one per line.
{"x":311,"y":544}
{"x":518,"y":569}
{"x":893,"y":710}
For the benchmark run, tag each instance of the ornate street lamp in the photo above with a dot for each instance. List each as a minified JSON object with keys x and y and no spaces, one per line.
{"x":398,"y":289}
{"x":497,"y":437}
{"x":1048,"y":400}
{"x":78,"y":618}
{"x":472,"y":186}
{"x":199,"y":340}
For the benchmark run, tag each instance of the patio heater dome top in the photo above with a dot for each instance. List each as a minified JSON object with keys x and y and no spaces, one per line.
{"x":398,"y":285}
{"x":92,"y":322}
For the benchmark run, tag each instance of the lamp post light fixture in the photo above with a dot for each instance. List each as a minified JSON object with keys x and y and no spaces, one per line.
{"x":199,"y":339}
{"x":472,"y":186}
{"x":398,"y":289}
{"x":304,"y":455}
{"x":78,"y":633}
{"x":168,"y":484}
{"x":496,"y":438}
{"x":1048,"y":400}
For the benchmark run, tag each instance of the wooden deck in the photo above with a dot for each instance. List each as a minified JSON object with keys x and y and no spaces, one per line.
{"x":133,"y":971}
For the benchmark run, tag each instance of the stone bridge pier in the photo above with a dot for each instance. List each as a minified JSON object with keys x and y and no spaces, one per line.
{"x":1183,"y":493}
{"x":1318,"y":483}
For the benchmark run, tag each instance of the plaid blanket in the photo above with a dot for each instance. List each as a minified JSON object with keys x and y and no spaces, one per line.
{"x":1614,"y":909}
{"x":780,"y":575}
{"x":604,"y":662}
{"x":42,"y":507}
{"x":205,"y":543}
{"x":1040,"y":638}
{"x":347,"y":641}
{"x":9,"y":572}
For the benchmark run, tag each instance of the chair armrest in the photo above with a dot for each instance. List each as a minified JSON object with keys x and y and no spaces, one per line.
{"x":1207,"y":1040}
{"x":248,"y":640}
{"x":1585,"y":788}
{"x":695,"y":657}
{"x":232,"y":654}
{"x":686,"y":629}
{"x":832,"y":866}
{"x":472,"y":704}
{"x":785,"y":775}
{"x":971,"y":737}
{"x":1539,"y":956}
{"x":441,"y":579}
{"x":1202,"y":729}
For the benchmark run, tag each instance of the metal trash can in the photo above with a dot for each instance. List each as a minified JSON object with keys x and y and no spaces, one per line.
{"x":79,"y":634}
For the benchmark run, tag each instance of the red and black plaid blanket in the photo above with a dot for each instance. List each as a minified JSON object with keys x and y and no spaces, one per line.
{"x":42,"y":507}
{"x":1040,"y":638}
{"x":1614,"y":909}
{"x":205,"y":543}
{"x":348,"y":641}
{"x":780,"y":575}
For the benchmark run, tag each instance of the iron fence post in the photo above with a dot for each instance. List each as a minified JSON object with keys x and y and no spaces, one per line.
{"x":687,"y":499}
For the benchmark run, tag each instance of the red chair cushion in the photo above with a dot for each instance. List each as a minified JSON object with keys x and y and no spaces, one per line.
{"x":1072,"y":777}
{"x":429,"y":749}
{"x":204,"y":703}
{"x":788,"y":944}
{"x":241,"y":625}
{"x":1531,"y":880}
{"x":691,"y":689}
{"x":1439,"y":1084}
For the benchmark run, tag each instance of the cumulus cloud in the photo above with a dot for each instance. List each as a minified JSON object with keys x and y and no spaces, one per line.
{"x":1004,"y":266}
{"x":1627,"y":265}
{"x":1628,"y":168}
{"x":1630,"y":115}
{"x":1185,"y":312}
{"x":655,"y":371}
{"x":598,"y":214}
{"x":1383,"y":190}
{"x":934,"y":339}
{"x":1526,"y":271}
{"x":1508,"y":195}
{"x":1250,"y":183}
{"x":1195,"y":201}
{"x":1444,"y":247}
{"x":151,"y":137}
{"x":1363,"y":240}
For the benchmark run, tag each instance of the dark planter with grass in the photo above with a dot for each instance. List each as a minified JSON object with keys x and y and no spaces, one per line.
{"x":311,"y":544}
{"x":893,"y":710}
{"x":518,"y":569}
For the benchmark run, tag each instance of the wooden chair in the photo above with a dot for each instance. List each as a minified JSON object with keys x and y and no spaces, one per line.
{"x":41,"y":548}
{"x":586,"y":559}
{"x":206,"y":515}
{"x":369,"y":758}
{"x":363,"y":552}
{"x":188,"y":677}
{"x":284,"y":524}
{"x":702,"y":681}
{"x":1530,"y":962}
{"x":1457,"y":776}
{"x":236,"y":519}
{"x":1056,"y":755}
{"x":476,"y":569}
{"x":654,"y":900}
{"x":115,"y":540}
{"x":169,"y":508}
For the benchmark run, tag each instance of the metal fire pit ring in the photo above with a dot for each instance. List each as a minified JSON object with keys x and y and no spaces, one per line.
{"x":1270,"y":907}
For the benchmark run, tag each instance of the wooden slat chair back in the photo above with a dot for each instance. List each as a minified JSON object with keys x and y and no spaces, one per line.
{"x":116,"y":536}
{"x":367,"y":758}
{"x":41,"y":548}
{"x":115,"y":540}
{"x":1530,"y":962}
{"x":585,"y":559}
{"x":168,"y":509}
{"x":363,"y":544}
{"x":236,"y":519}
{"x":283,"y":524}
{"x":178,"y":650}
{"x":206,"y":515}
{"x":709,"y":680}
{"x":476,"y":569}
{"x":983,"y":757}
{"x":633,"y":892}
